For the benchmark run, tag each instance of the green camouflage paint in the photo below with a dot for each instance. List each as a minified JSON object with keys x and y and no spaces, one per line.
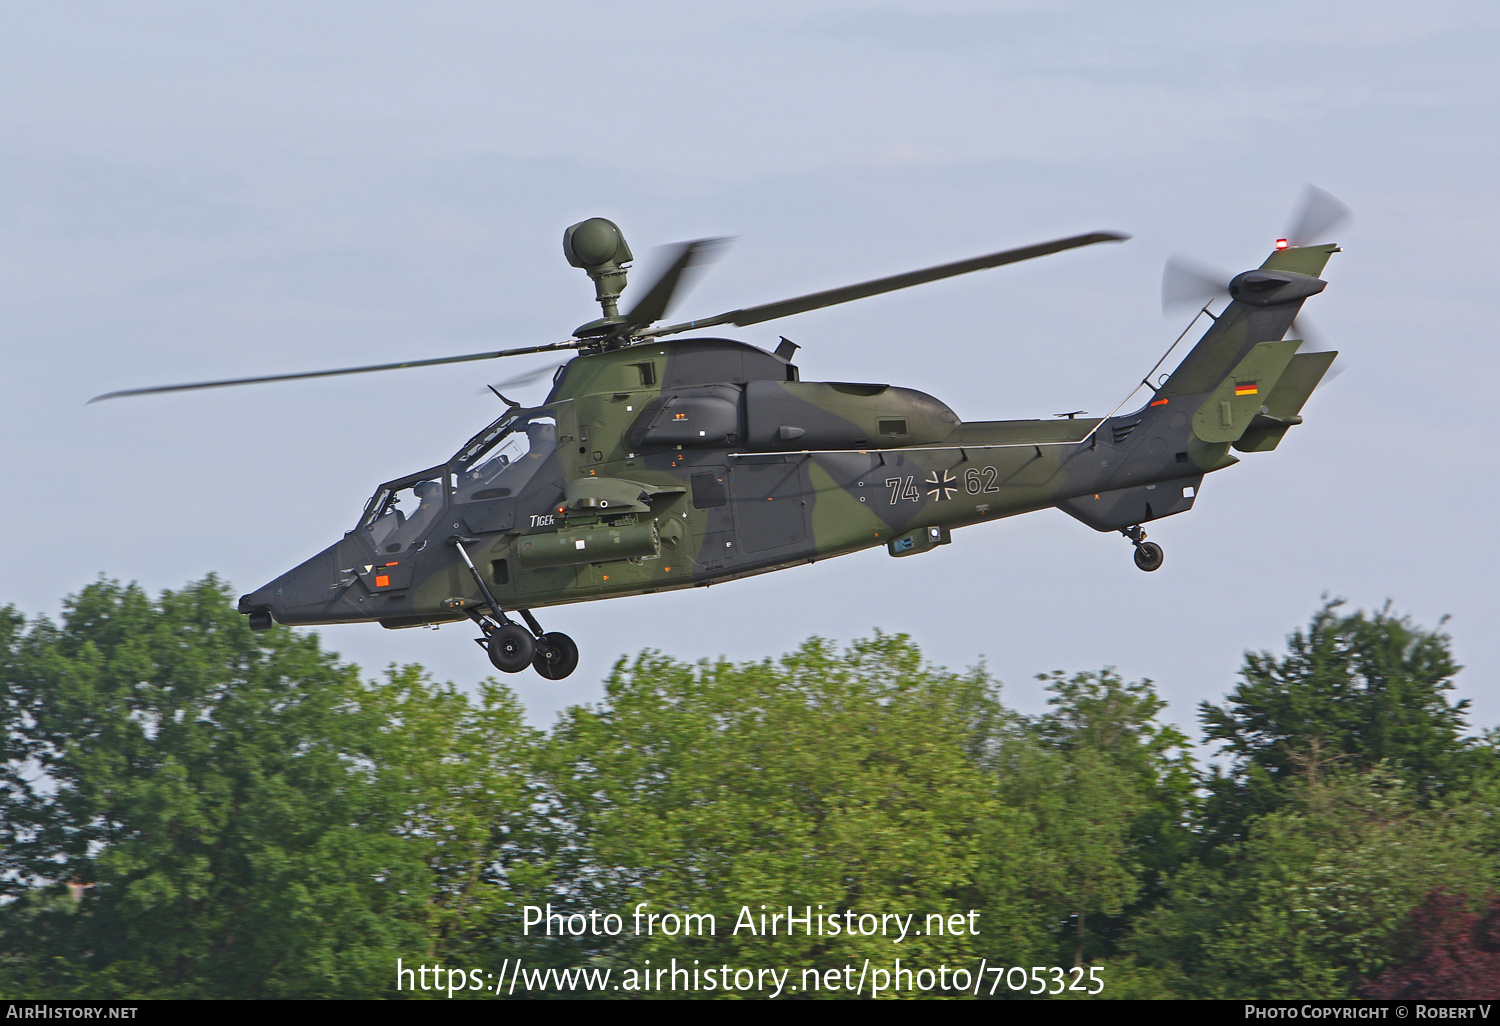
{"x":690,"y":462}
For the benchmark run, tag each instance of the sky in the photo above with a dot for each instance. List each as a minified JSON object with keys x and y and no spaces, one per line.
{"x":191,"y":191}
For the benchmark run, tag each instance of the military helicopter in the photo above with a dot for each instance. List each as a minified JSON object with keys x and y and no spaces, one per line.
{"x":660,"y":463}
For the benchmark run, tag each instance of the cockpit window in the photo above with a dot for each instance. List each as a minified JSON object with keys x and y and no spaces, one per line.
{"x":400,"y":516}
{"x":500,"y":462}
{"x":495,"y":464}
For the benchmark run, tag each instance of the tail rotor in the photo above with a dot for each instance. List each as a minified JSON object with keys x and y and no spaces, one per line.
{"x":1185,"y":283}
{"x":1317,"y":214}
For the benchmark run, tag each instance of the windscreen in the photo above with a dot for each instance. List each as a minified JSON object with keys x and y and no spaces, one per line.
{"x":503,"y":463}
{"x":404,"y":514}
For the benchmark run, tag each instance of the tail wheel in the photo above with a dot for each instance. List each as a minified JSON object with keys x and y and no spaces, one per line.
{"x":511,"y":648}
{"x":1149,"y":556}
{"x":556,"y":656}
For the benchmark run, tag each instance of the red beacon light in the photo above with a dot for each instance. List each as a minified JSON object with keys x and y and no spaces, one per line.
{"x":1281,"y":244}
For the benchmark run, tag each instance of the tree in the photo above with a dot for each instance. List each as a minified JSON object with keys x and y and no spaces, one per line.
{"x":1315,"y":899}
{"x":189,"y":809}
{"x":1352,"y":692}
{"x":835,"y":781}
{"x":1454,"y":952}
{"x":242,"y":815}
{"x":1109,"y":791}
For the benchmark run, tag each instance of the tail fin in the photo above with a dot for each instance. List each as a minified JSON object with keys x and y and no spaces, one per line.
{"x":1225,"y":414}
{"x":1265,"y":302}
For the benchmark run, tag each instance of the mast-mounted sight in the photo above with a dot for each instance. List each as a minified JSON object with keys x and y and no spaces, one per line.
{"x":598,"y":246}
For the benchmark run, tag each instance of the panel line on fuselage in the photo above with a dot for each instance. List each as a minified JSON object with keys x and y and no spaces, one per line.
{"x":918,"y":448}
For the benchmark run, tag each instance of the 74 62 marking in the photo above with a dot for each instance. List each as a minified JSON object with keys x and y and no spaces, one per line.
{"x":903,"y":488}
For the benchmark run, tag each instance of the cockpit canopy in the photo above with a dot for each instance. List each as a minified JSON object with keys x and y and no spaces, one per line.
{"x":497,"y":463}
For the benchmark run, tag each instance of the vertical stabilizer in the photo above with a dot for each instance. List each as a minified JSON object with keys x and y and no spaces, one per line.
{"x":1264,"y":303}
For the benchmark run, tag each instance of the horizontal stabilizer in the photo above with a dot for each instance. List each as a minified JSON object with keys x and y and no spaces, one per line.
{"x":1285,"y":402}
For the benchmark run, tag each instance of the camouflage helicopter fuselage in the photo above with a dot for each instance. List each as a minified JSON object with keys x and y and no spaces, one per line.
{"x":690,"y":462}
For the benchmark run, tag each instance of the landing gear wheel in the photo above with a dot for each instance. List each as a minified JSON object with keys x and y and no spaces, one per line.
{"x":511,"y":648}
{"x":556,"y":656}
{"x":1149,"y":556}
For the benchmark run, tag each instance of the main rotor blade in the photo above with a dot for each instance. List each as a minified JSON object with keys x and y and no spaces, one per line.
{"x":832,"y":297}
{"x":653,"y":305}
{"x":522,"y":380}
{"x":1318,"y":214}
{"x":570,"y":344}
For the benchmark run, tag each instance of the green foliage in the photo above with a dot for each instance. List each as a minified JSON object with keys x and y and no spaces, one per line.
{"x":840,"y":780}
{"x":189,"y":809}
{"x":249,"y":818}
{"x":1314,"y":900}
{"x":1107,"y":792}
{"x":1353,"y":692}
{"x":1350,"y":796}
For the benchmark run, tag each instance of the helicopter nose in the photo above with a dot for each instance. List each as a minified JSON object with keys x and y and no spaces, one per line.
{"x":307,"y":593}
{"x":259,"y":599}
{"x":257,"y":606}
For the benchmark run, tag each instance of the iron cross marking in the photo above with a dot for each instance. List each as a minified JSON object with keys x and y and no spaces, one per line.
{"x":944,"y":489}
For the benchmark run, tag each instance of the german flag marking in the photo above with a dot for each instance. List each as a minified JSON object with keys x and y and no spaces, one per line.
{"x":1246,"y":388}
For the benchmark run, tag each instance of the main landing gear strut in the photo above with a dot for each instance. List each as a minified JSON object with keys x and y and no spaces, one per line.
{"x":1148,"y":555}
{"x":510,"y":646}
